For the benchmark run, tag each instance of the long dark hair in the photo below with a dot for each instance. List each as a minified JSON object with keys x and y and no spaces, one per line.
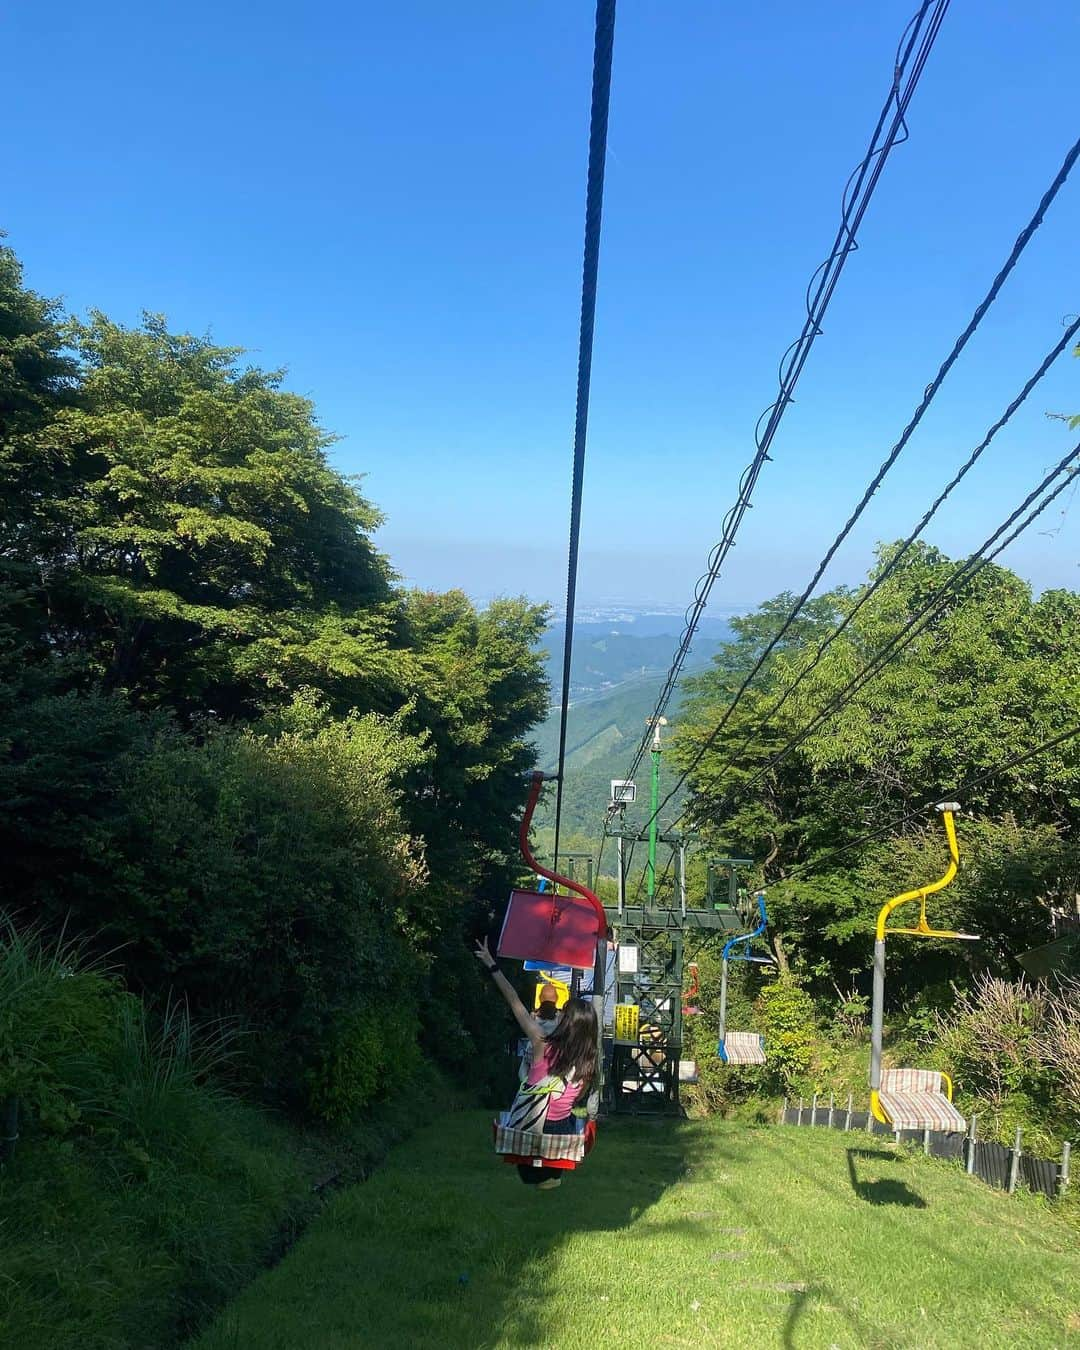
{"x":572,"y":1045}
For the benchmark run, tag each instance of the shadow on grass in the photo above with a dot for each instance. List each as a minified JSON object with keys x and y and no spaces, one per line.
{"x":887,"y":1191}
{"x":446,"y":1247}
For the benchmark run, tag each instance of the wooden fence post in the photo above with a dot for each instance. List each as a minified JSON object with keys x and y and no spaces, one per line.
{"x":1014,"y":1162}
{"x":971,"y":1146}
{"x":1063,"y":1170}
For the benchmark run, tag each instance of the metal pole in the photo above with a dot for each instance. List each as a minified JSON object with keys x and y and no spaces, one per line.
{"x":599,"y":980}
{"x":847,"y":1118}
{"x":831,"y":1103}
{"x":813,"y":1110}
{"x":1063,"y":1170}
{"x":877,"y":1016}
{"x":1014,"y":1162}
{"x":783,"y":1112}
{"x":972,"y":1129}
{"x":682,"y":878}
{"x":926,"y":1140}
{"x":654,"y":805}
{"x":723,"y":1005}
{"x":622,"y":872}
{"x":799,"y":1121}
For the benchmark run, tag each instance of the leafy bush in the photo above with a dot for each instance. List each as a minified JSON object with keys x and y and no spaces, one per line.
{"x":851,"y":1015}
{"x":788,"y":1019}
{"x":1000,"y":1042}
{"x":369,"y":1056}
{"x":1058,"y":1045}
{"x":53,"y":1017}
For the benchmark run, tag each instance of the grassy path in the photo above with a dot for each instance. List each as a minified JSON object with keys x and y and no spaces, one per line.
{"x":679,"y":1234}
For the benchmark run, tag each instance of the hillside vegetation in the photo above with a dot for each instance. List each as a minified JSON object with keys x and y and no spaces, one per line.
{"x":254,"y":798}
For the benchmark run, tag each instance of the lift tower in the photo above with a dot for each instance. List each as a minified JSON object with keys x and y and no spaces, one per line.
{"x":647,"y":1046}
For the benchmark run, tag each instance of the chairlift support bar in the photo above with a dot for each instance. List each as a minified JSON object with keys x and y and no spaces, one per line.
{"x":947,"y":811}
{"x":730,"y":954}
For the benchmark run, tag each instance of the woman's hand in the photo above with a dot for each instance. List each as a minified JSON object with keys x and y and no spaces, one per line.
{"x":483,"y":954}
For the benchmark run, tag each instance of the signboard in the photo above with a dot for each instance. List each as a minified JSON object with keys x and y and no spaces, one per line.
{"x":628,"y":962}
{"x":626,"y":1021}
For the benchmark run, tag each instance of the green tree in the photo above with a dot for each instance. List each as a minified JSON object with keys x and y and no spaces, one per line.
{"x":996,"y":671}
{"x":200,"y":551}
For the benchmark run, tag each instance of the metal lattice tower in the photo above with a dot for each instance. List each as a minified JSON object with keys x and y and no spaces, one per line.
{"x":643,"y":1073}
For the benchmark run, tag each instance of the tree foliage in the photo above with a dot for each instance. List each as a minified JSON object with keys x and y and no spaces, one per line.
{"x":233,"y":750}
{"x":995,"y":673}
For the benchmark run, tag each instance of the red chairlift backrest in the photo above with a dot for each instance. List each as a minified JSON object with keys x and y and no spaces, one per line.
{"x":542,"y":926}
{"x":555,"y":929}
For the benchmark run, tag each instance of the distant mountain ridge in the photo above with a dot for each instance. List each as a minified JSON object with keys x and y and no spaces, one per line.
{"x":607,"y":655}
{"x":616,"y":676}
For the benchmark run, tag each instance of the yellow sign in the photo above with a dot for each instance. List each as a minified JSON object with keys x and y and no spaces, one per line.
{"x":626,"y":1021}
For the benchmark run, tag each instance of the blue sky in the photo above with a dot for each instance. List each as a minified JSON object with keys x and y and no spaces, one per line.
{"x":387,"y":199}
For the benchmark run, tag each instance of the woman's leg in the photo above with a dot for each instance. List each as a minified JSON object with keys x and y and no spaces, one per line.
{"x":533,"y":1176}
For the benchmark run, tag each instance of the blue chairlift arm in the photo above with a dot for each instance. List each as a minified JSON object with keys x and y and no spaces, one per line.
{"x":745,"y":939}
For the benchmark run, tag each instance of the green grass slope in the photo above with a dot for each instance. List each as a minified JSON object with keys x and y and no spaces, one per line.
{"x":673,"y":1234}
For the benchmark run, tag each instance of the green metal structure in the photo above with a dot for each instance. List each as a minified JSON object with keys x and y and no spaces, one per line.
{"x":642,"y":1074}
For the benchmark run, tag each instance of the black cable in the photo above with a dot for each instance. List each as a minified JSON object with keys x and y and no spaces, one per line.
{"x":594,"y":202}
{"x":1022,"y":241}
{"x":856,"y":199}
{"x":958,"y":792}
{"x":961,"y":576}
{"x":890,"y":567}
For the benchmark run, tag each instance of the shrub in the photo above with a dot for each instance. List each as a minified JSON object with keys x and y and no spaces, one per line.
{"x":54,"y":1016}
{"x":370,"y":1055}
{"x":1057,"y":1042}
{"x":786,"y":1016}
{"x":993,"y":1041}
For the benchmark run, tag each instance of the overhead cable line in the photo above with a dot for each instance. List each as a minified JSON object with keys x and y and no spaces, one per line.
{"x":892,"y":564}
{"x":961,"y":576}
{"x":594,"y":201}
{"x":961,"y":791}
{"x":890,"y":131}
{"x":1022,"y":241}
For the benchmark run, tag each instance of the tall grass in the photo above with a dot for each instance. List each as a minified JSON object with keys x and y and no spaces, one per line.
{"x":160,"y":1076}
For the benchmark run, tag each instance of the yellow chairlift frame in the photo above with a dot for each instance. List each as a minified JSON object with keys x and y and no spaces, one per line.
{"x":921,"y":929}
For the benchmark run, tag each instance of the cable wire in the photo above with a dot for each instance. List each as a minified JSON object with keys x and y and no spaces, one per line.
{"x":891,"y":566}
{"x":961,"y":576}
{"x":915,"y":46}
{"x":1022,"y":241}
{"x":594,"y":202}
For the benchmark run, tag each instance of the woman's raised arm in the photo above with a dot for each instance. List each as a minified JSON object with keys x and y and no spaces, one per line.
{"x":521,"y":1014}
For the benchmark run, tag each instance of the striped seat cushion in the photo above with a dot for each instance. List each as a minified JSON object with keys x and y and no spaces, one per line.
{"x":920,"y":1110}
{"x":528,"y":1144}
{"x":910,"y":1080}
{"x":744,"y":1047}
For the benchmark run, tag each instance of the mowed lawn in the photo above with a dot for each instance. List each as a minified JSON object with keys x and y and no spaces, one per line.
{"x":672,"y":1234}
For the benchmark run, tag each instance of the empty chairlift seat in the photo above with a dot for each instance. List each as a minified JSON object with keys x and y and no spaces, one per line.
{"x":742,"y":1047}
{"x":915,"y":1099}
